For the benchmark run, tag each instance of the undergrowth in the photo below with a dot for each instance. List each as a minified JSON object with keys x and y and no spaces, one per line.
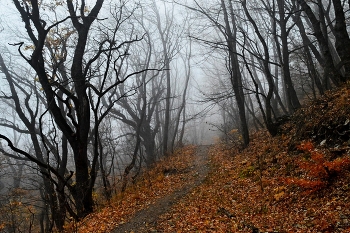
{"x":320,"y":172}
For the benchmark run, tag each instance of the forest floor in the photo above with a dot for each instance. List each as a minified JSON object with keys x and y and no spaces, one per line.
{"x":153,"y":194}
{"x":297,"y":181}
{"x":146,"y":220}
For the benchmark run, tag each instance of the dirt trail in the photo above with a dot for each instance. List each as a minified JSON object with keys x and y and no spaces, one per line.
{"x":146,"y":219}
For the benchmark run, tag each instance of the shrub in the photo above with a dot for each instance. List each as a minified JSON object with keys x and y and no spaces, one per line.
{"x":320,"y":172}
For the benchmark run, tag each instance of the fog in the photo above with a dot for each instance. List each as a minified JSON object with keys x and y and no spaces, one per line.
{"x":94,"y":91}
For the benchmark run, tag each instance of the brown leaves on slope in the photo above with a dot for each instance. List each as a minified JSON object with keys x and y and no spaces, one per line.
{"x":325,"y":121}
{"x":244,"y":192}
{"x":164,"y":178}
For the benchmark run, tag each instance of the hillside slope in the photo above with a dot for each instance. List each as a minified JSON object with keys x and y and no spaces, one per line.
{"x":297,"y":181}
{"x":152,"y":194}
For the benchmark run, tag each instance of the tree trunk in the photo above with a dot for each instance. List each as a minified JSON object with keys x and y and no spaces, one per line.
{"x":292,"y":98}
{"x":236,"y":77}
{"x":342,"y":40}
{"x":271,"y":127}
{"x":329,"y":68}
{"x":310,"y":46}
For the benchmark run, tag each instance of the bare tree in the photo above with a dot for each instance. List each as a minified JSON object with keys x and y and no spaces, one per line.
{"x":223,"y":20}
{"x":72,"y":90}
{"x":322,"y":38}
{"x":291,"y":96}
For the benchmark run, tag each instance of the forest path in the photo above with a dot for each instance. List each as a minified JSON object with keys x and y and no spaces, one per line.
{"x":145,"y":220}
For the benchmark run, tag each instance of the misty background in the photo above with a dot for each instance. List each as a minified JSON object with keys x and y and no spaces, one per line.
{"x":93,"y":91}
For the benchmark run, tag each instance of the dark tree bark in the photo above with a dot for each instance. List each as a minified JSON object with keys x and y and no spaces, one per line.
{"x":292,"y":98}
{"x":236,"y":77}
{"x":310,"y":46}
{"x":228,"y":29}
{"x":164,"y":31}
{"x":31,"y":125}
{"x":77,"y":136}
{"x":342,"y":40}
{"x":328,"y":65}
{"x":271,"y":127}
